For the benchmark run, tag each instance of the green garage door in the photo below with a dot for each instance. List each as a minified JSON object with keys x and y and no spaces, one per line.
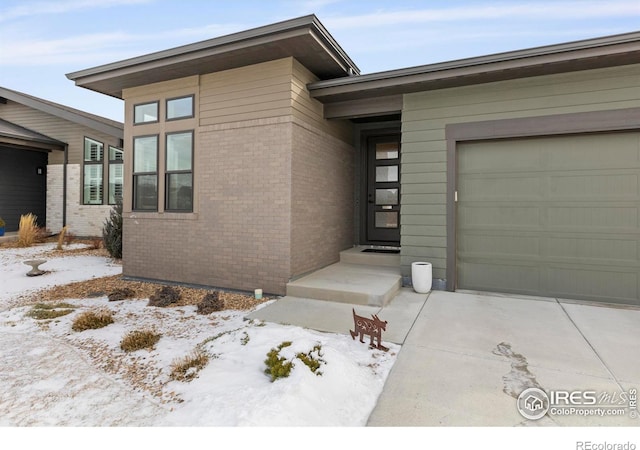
{"x":553,"y":216}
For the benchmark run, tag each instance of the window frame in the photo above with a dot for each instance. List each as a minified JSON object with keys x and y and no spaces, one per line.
{"x":156,"y":102}
{"x":135,"y":174}
{"x":111,"y":163}
{"x":168,"y":173}
{"x":193,"y":108}
{"x":86,"y":163}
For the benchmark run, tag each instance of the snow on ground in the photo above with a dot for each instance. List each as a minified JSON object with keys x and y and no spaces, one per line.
{"x":53,"y":376}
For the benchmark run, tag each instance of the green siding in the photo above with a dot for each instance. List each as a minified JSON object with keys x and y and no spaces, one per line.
{"x":426,"y":114}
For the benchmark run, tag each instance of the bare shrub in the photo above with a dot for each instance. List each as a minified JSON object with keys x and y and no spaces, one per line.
{"x":92,"y":320}
{"x":187,"y":368}
{"x":138,"y":340}
{"x":165,"y":296}
{"x":211,"y":302}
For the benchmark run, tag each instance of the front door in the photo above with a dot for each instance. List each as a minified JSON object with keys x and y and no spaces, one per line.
{"x":383,"y":190}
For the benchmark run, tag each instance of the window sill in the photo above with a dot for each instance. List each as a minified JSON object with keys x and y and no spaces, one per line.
{"x":155,"y":215}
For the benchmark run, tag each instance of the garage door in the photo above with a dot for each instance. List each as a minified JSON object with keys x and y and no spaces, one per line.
{"x":555,"y":216}
{"x":22,"y":189}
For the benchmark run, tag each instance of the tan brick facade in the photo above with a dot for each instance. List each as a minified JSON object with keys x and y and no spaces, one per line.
{"x":322,"y":199}
{"x":273,"y":195}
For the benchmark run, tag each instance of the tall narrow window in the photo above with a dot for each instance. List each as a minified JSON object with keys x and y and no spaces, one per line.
{"x":180,"y":108}
{"x":145,"y":173}
{"x":116,"y":174}
{"x":93,"y":156}
{"x":145,"y":113}
{"x":179,"y":175}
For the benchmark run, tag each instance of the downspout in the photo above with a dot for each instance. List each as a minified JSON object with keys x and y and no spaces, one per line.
{"x":64,"y":185}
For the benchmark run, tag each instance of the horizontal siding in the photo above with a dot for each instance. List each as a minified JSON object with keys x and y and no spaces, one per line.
{"x":60,"y":129}
{"x":426,"y":114}
{"x":310,"y":110}
{"x":246,"y":93}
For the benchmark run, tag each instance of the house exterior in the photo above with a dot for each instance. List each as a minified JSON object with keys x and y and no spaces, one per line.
{"x":63,"y":165}
{"x":255,"y":158}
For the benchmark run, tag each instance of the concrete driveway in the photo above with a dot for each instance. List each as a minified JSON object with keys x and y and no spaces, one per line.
{"x":468,"y":356}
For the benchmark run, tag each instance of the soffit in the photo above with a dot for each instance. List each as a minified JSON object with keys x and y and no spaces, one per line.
{"x":304,"y":39}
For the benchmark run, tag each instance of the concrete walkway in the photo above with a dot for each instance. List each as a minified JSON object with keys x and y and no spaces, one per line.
{"x":466,"y":357}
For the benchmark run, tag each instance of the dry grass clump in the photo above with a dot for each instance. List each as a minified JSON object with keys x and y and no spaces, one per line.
{"x":92,"y":320}
{"x":61,"y":237}
{"x":44,"y":311}
{"x":28,"y":230}
{"x":187,"y":368}
{"x":138,"y":340}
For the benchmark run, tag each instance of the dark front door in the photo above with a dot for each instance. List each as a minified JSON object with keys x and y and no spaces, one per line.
{"x":383,"y":190}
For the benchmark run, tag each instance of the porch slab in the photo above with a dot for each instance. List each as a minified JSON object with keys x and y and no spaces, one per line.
{"x":342,"y":282}
{"x":334,"y":317}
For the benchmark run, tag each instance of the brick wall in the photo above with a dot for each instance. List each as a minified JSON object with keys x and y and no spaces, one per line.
{"x":322,"y":198}
{"x":82,"y":220}
{"x":238,"y":236}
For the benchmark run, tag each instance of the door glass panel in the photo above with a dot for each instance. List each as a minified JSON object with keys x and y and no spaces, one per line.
{"x":386,"y":173}
{"x":387,"y":219}
{"x":386,"y":196}
{"x":387,"y":150}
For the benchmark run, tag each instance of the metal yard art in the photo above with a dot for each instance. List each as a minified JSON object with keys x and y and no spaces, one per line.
{"x":370,"y":327}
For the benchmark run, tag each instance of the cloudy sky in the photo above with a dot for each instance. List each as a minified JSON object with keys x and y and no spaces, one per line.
{"x":42,"y":40}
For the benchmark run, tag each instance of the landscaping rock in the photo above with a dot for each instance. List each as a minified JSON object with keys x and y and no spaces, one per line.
{"x":211,"y":302}
{"x":121,"y":294}
{"x":164,"y":297}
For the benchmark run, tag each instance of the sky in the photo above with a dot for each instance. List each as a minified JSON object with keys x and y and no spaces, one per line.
{"x":42,"y":40}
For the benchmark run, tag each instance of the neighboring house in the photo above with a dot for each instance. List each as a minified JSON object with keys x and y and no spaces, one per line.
{"x":254,"y":158}
{"x":40,"y":143}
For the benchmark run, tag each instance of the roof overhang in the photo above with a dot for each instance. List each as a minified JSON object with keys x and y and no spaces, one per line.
{"x":304,"y":38}
{"x":108,"y":126}
{"x":603,"y":52}
{"x":13,"y":135}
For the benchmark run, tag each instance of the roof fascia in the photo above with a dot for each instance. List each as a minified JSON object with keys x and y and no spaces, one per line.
{"x":520,"y":59}
{"x":50,"y":108}
{"x":236,"y":41}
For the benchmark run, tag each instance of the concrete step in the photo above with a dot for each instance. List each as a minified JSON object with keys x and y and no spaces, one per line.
{"x":349,"y":283}
{"x":357,"y":255}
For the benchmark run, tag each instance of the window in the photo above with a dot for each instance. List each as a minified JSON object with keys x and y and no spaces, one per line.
{"x":179,"y":173}
{"x":116,"y":174}
{"x":180,"y":108}
{"x":93,"y":169}
{"x":145,"y":173}
{"x":145,"y":113}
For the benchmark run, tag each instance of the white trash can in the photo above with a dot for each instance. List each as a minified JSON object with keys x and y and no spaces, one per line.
{"x":421,"y":277}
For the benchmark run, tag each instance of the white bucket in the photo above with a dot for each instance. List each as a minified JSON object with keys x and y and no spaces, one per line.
{"x":421,"y":277}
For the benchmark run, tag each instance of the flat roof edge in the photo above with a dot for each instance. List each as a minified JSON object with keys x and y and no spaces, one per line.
{"x":310,"y":22}
{"x":477,"y":61}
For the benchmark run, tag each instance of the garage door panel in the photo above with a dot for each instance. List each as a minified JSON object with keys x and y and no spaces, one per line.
{"x":484,"y":275}
{"x":563,"y":223}
{"x":503,"y":216}
{"x":597,"y":283}
{"x":597,"y":151}
{"x":608,"y":219}
{"x":499,"y":187}
{"x":530,"y":160}
{"x":594,"y":186}
{"x":592,"y":250}
{"x":474,"y":244}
